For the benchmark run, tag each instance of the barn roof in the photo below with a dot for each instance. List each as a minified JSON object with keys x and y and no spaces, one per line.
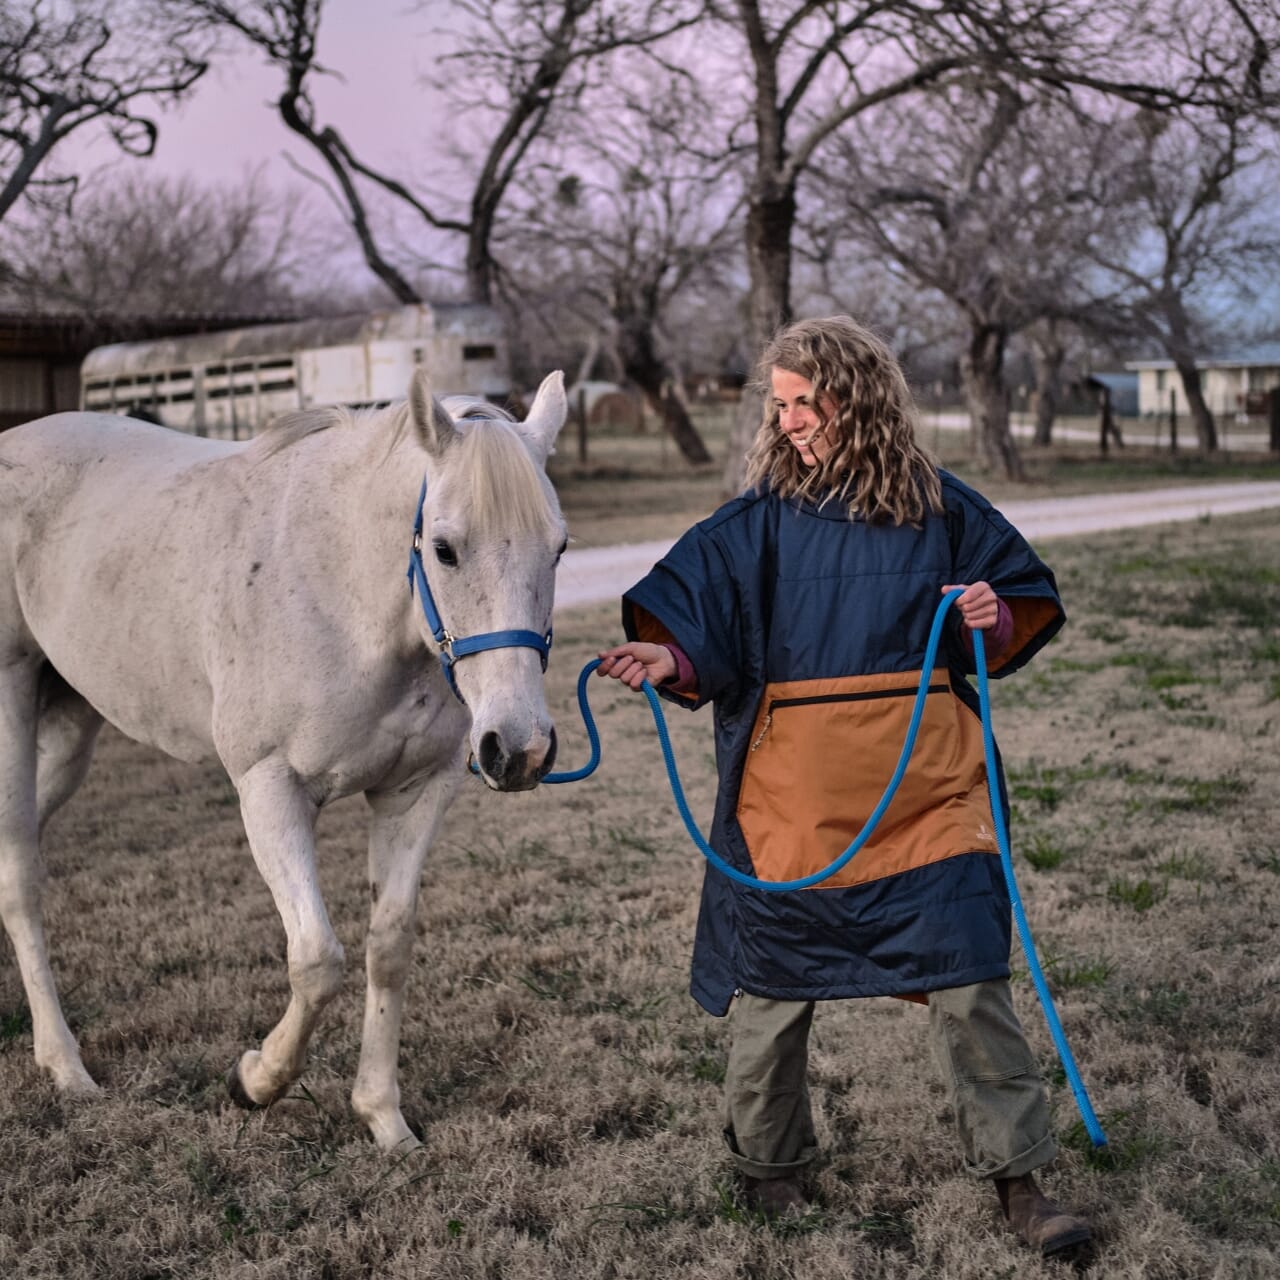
{"x":1261,"y":354}
{"x":45,"y":332}
{"x":420,"y":321}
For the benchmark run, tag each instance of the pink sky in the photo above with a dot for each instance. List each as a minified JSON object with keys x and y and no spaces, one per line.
{"x":381,"y":105}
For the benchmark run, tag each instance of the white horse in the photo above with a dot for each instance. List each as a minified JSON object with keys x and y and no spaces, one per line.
{"x":249,"y":602}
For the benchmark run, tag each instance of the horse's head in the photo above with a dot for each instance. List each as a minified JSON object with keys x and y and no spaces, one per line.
{"x":492,"y":535}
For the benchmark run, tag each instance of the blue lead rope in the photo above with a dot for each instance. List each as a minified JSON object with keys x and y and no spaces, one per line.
{"x":1093,"y":1128}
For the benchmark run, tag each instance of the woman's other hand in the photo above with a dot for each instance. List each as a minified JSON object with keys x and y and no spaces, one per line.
{"x":637,"y":661}
{"x":979,"y":605}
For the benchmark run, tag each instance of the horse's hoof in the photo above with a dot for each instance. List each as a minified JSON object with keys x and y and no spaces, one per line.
{"x":239,"y":1094}
{"x":76,"y":1084}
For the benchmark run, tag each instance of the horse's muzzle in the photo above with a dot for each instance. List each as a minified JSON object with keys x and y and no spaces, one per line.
{"x":514,"y":770}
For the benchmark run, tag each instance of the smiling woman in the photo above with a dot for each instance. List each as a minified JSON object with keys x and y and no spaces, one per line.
{"x":801,"y":610}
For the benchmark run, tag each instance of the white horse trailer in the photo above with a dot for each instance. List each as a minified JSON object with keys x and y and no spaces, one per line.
{"x":227,"y":385}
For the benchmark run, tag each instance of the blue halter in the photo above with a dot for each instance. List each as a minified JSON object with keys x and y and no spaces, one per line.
{"x":454,"y":647}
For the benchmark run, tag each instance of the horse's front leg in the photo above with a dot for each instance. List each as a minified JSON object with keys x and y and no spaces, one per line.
{"x":400,"y":833}
{"x":279,"y":819}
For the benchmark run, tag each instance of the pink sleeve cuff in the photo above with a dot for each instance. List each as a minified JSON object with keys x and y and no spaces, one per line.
{"x":685,"y":679}
{"x":997,"y":637}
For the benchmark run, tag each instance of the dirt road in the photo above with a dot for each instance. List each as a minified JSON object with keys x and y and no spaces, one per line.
{"x":594,"y":574}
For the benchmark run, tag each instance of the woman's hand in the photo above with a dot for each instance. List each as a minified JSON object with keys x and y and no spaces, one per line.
{"x":637,"y":661}
{"x":979,"y":605}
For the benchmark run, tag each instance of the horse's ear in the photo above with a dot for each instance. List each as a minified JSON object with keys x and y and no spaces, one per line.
{"x":546,"y":417}
{"x":431,"y":422}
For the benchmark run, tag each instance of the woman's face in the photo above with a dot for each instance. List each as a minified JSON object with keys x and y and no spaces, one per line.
{"x":804,"y":422}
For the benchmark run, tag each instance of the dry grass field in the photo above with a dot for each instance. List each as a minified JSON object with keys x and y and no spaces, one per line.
{"x":566,"y":1086}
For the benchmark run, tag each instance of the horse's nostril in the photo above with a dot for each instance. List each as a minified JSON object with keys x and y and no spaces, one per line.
{"x":550,"y":758}
{"x":493,"y":760}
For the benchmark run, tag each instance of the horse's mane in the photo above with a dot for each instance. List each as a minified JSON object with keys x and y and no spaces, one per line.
{"x":507,"y":489}
{"x":460,"y":408}
{"x":288,"y":428}
{"x":506,"y":486}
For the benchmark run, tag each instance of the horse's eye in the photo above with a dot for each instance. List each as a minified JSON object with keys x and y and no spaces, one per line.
{"x":445,"y":553}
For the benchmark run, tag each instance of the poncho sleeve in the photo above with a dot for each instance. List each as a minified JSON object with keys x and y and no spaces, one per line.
{"x":985,"y":547}
{"x":689,"y":598}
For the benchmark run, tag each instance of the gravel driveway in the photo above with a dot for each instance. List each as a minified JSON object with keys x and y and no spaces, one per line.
{"x":593,"y":574}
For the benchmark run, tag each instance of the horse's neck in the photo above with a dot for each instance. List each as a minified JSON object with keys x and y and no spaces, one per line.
{"x":348,"y":507}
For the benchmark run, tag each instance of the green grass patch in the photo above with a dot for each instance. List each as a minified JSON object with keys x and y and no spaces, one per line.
{"x":1235,"y":1202}
{"x":710,"y":1067}
{"x":1160,"y":1006}
{"x":1238,"y":593}
{"x":552,"y":984}
{"x":1104,"y":633}
{"x":1129,"y":1146}
{"x":636,"y":1214}
{"x":1267,"y":651}
{"x":1209,"y":795}
{"x":1264,"y":860}
{"x":14,"y":1024}
{"x":1074,"y":974}
{"x":1042,"y":851}
{"x":1074,"y":665}
{"x":622,"y":838}
{"x":1045,"y":794}
{"x":1140,"y":895}
{"x":1187,"y":866}
{"x":1159,"y":672}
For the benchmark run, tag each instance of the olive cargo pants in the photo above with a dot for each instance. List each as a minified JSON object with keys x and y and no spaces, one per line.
{"x":991,"y":1077}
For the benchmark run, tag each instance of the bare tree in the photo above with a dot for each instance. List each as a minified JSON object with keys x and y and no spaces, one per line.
{"x":634,"y":223}
{"x":519,"y":56}
{"x":835,"y":273}
{"x":69,"y":67}
{"x":522,"y":60}
{"x":1200,"y":217}
{"x":155,"y":246}
{"x":816,"y":65}
{"x":989,"y":199}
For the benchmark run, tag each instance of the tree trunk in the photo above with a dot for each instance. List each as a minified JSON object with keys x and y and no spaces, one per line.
{"x":643,"y":366}
{"x":479,"y":265}
{"x":1048,"y":355}
{"x":1201,"y":417}
{"x":1182,"y":351}
{"x":770,"y":221}
{"x":982,"y":369}
{"x":1106,"y":421}
{"x":678,"y":425}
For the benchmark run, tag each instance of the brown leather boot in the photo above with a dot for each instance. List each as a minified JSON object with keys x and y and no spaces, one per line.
{"x":1045,"y":1226}
{"x":773,"y":1197}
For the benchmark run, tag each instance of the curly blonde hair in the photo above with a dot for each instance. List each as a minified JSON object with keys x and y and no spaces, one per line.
{"x":875,"y":465}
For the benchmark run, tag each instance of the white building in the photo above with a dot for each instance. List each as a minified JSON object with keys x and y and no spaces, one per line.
{"x":231,"y":383}
{"x":1233,"y":386}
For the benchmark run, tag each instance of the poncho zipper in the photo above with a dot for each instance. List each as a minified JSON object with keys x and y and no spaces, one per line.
{"x":868,"y":696}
